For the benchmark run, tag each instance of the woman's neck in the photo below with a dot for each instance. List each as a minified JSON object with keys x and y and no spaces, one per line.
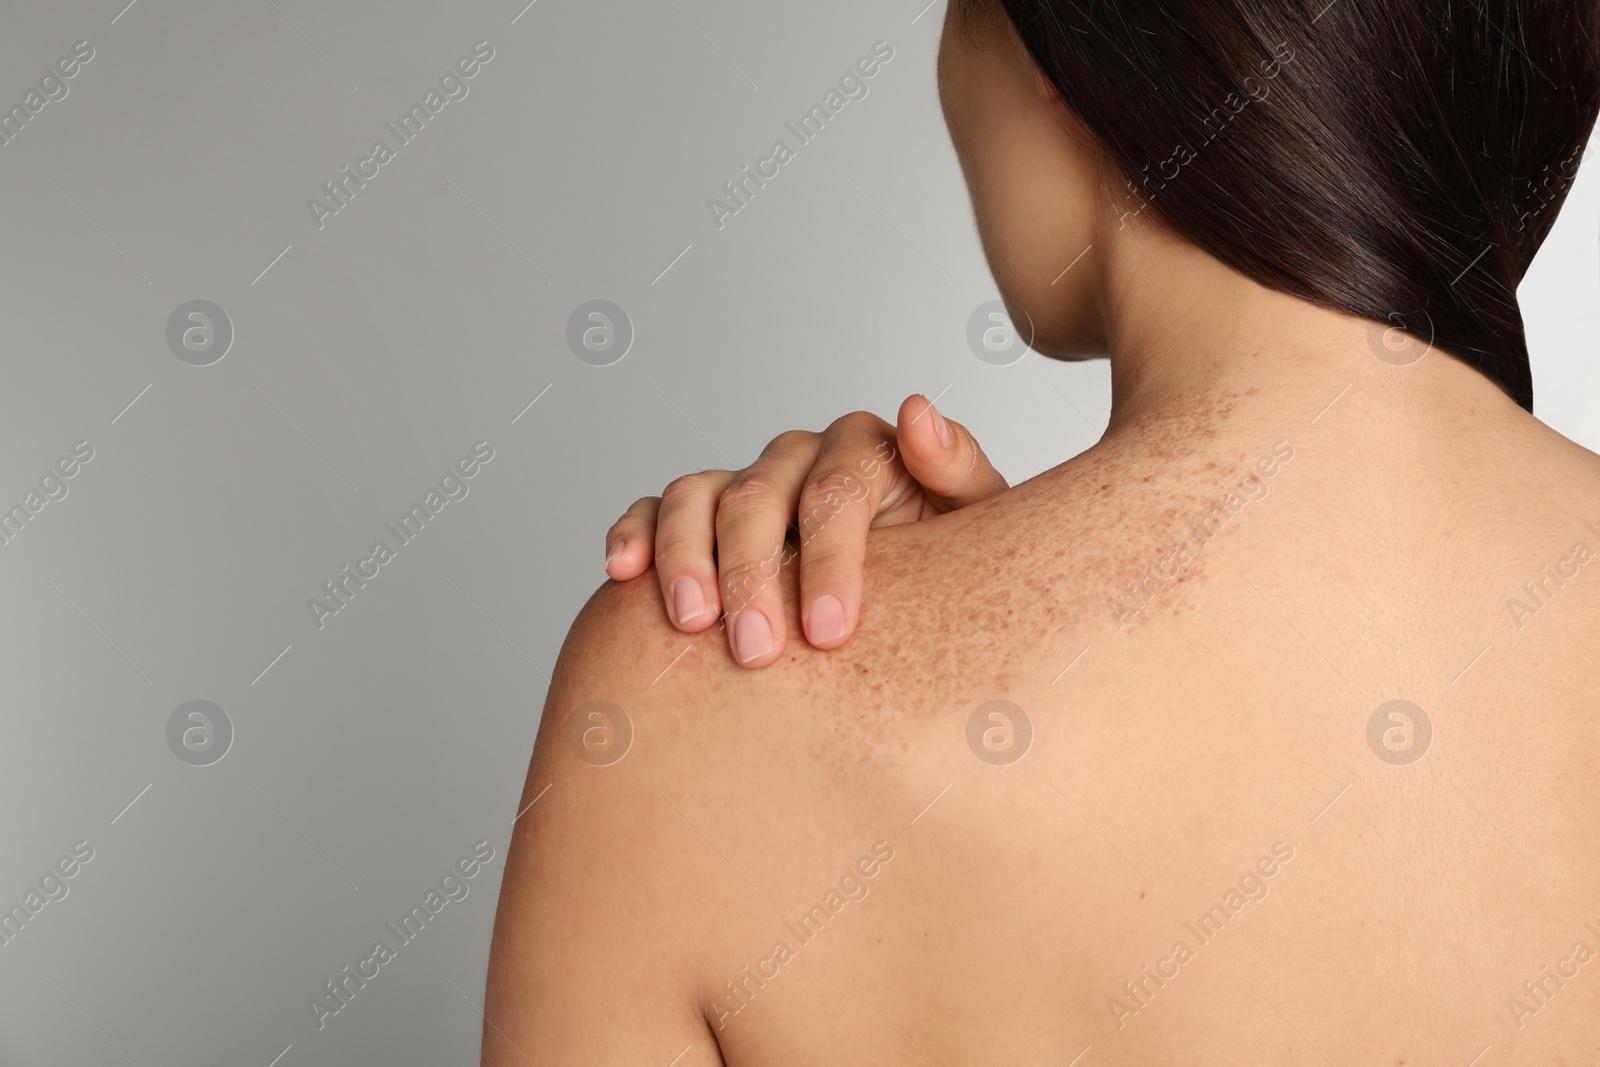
{"x":1185,"y":329}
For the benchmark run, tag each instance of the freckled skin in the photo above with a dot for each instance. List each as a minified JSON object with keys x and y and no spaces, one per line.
{"x":1165,"y":764}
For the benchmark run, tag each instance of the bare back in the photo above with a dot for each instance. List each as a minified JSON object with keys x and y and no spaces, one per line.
{"x":1191,"y":750}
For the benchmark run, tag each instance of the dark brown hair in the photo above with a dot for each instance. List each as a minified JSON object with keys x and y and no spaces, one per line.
{"x":1397,"y":160}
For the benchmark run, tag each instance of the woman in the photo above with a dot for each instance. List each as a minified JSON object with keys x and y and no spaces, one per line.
{"x":1260,"y":732}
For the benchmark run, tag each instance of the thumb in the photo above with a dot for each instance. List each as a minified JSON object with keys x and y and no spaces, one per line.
{"x":944,"y":457}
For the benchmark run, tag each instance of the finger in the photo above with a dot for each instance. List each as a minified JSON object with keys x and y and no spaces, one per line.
{"x":685,"y":538}
{"x":752,"y":525}
{"x":944,"y":457}
{"x":855,"y":468}
{"x":631,"y":541}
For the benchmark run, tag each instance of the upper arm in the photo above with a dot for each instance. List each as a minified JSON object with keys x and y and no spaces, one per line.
{"x":594,"y":942}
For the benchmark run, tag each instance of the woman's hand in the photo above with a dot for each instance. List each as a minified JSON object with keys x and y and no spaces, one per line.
{"x":827,"y":489}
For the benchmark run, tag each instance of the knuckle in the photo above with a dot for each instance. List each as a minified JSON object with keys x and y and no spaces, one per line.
{"x":747,"y":495}
{"x":834,"y":483}
{"x":855,"y":421}
{"x":747,"y":582}
{"x":688,"y":485}
{"x":832,"y":556}
{"x":790,"y":440}
{"x":674,"y":549}
{"x":639,"y":509}
{"x":826,"y":496}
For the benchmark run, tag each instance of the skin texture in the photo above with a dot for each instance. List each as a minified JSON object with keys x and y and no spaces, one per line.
{"x":1353,"y":533}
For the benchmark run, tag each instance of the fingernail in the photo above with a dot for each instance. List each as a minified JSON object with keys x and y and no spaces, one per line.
{"x":825,"y":620}
{"x":752,"y":636}
{"x":615,"y":550}
{"x":940,"y":425}
{"x":688,"y":600}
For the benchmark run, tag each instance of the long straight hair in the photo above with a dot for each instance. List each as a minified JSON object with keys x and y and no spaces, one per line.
{"x":1397,"y":160}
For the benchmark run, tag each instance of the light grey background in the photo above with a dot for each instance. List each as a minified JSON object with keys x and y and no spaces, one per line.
{"x":374,"y":353}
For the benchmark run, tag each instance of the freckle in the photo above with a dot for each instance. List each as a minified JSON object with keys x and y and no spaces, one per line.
{"x":1141,"y":894}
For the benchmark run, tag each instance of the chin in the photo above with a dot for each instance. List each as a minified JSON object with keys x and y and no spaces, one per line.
{"x":1062,"y":336}
{"x":1072,"y":350}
